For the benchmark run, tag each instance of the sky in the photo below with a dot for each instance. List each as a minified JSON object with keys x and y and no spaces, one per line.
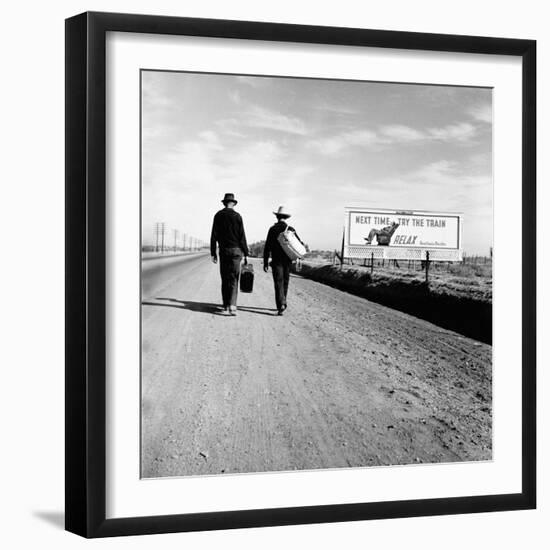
{"x":314,"y":146}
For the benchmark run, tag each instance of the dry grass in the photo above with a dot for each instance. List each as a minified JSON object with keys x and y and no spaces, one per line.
{"x":472,"y":281}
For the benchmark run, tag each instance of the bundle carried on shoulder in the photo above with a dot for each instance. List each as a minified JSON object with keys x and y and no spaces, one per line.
{"x":291,"y":245}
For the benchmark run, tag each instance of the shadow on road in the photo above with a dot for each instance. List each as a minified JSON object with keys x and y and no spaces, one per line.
{"x":204,"y":307}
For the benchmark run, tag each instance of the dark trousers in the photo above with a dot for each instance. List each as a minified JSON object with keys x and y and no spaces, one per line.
{"x":230,"y":269}
{"x":281,"y":276}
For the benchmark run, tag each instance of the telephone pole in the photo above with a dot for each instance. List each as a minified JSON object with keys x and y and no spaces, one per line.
{"x":175,"y":240}
{"x":160,"y":229}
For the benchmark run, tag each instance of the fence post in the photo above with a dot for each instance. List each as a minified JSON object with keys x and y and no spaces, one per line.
{"x":342,"y":249}
{"x":427,"y":265}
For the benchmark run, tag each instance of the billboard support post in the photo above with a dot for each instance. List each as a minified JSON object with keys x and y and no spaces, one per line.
{"x":342,"y":249}
{"x":371,"y":262}
{"x":427,"y":264}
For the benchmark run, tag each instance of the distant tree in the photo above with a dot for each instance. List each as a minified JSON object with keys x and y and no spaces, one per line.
{"x":326,"y":254}
{"x":256,"y":250}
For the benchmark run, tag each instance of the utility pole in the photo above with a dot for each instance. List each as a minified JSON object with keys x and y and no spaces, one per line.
{"x":163,"y":230}
{"x":175,"y":240}
{"x":160,"y":228}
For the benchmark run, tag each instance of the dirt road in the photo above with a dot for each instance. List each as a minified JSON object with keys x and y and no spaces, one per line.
{"x":338,"y":381}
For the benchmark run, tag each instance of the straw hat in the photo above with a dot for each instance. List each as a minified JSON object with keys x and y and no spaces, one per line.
{"x":281,"y":213}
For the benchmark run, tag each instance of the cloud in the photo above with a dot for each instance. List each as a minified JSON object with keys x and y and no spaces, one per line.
{"x":183,"y":185}
{"x":336,"y":144}
{"x":259,"y":117}
{"x":211,"y":140}
{"x":447,"y":177}
{"x":252,"y":81}
{"x":230,"y":127}
{"x":461,"y":132}
{"x":235,"y":97}
{"x":482,"y":113}
{"x":335,"y":108}
{"x":153,"y":91}
{"x":255,"y":162}
{"x":438,"y":185}
{"x":150,"y":133}
{"x":395,"y":134}
{"x":192,"y":166}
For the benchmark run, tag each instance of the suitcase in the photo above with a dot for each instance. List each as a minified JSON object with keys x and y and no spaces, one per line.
{"x":247,"y":278}
{"x":290,"y":244}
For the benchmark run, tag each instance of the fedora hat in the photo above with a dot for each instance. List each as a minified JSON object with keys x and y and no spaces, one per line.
{"x":281,"y":213}
{"x":229,"y":197}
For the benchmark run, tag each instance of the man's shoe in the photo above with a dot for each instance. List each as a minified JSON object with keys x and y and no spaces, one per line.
{"x":233,"y":310}
{"x":280,"y":312}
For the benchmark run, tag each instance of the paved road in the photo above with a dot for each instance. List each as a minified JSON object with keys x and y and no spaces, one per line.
{"x":338,"y":381}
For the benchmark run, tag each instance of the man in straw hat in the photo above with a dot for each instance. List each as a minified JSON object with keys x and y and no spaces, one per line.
{"x":280,"y":262}
{"x":228,"y":232}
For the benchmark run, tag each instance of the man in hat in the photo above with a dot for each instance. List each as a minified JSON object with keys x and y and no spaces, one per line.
{"x":228,"y":233}
{"x":280,"y":262}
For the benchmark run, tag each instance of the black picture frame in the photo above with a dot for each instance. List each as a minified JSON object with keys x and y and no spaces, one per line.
{"x":86,"y":284}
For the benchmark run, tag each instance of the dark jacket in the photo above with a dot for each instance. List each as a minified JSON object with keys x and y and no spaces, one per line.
{"x":272,"y":246}
{"x":228,"y":231}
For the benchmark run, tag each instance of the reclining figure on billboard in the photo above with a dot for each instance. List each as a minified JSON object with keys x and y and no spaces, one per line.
{"x":383,"y":236}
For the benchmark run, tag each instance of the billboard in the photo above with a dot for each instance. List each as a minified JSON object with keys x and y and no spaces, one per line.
{"x":402,"y":234}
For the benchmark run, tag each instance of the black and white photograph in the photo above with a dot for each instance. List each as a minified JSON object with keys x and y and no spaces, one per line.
{"x":316,"y":274}
{"x":274,"y":276}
